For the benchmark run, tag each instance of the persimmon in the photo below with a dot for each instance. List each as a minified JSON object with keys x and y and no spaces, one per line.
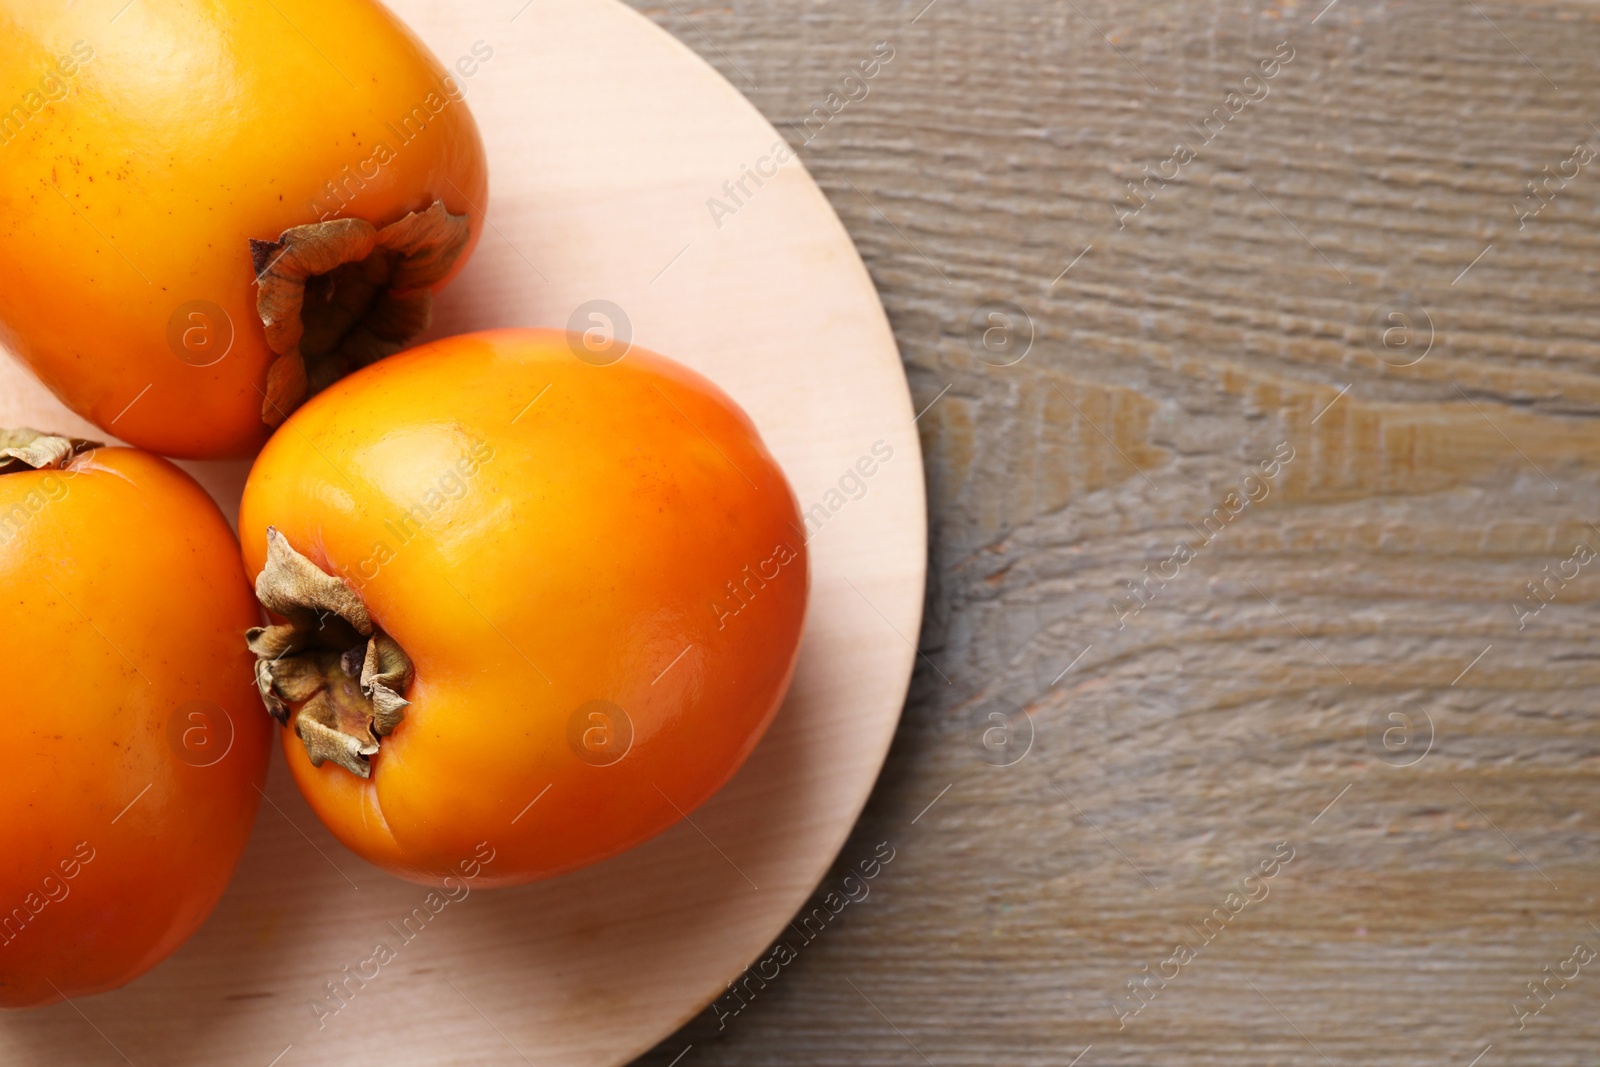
{"x":521,"y":599}
{"x":134,"y":742}
{"x":210,"y":209}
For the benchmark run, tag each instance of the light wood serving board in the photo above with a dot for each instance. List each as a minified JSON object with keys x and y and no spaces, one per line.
{"x":606,"y":141}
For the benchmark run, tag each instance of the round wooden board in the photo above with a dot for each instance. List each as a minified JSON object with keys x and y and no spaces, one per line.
{"x":606,"y":140}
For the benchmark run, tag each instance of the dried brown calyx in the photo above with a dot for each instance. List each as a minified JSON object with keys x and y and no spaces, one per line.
{"x":335,"y":296}
{"x":35,"y":450}
{"x":344,"y":676}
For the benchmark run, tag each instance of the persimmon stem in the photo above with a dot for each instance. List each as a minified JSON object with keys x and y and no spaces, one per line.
{"x":327,"y":665}
{"x":335,"y":296}
{"x":34,"y":450}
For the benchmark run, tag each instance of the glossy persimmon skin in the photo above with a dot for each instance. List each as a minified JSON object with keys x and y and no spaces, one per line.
{"x":573,"y":533}
{"x":184,"y":129}
{"x":134,"y":746}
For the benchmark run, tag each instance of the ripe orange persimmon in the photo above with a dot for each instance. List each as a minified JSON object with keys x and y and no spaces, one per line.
{"x":530,"y":601}
{"x":134,"y":743}
{"x":209,"y":209}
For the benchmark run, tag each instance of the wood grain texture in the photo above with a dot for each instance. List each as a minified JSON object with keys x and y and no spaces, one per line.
{"x":1385,"y":164}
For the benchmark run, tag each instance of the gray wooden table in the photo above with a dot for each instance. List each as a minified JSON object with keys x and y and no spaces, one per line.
{"x":1255,"y":720}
